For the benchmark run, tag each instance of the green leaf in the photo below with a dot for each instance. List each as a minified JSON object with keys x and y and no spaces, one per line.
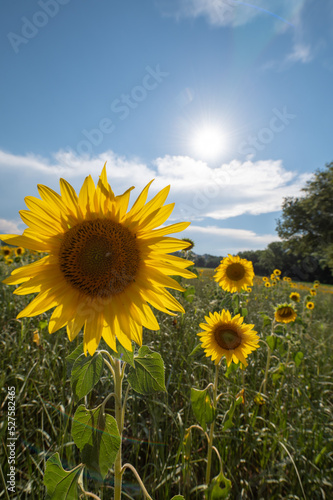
{"x":61,"y":484}
{"x":72,"y":357}
{"x":42,"y":324}
{"x":217,"y":493}
{"x":189,"y":294}
{"x":96,"y":434}
{"x":233,"y":367}
{"x":235,"y":303}
{"x":198,"y":348}
{"x":149,"y":373}
{"x":298,"y":358}
{"x":202,"y":407}
{"x":244,"y":312}
{"x":271,"y":341}
{"x":230,"y":413}
{"x":267,"y":319}
{"x":178,"y":497}
{"x":86,"y":372}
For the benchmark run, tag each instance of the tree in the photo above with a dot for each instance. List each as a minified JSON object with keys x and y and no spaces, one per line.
{"x":306,"y":223}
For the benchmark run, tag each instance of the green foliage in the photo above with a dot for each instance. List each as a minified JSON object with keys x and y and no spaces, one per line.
{"x":307,"y":222}
{"x":202,"y":407}
{"x":296,"y":411}
{"x":86,"y":372}
{"x":96,"y":434}
{"x":148,"y":375}
{"x":61,"y":484}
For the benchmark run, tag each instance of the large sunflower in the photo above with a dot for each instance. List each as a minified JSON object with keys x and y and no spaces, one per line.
{"x":285,"y":313}
{"x":227,"y":336}
{"x":234,"y":274}
{"x":104,"y":264}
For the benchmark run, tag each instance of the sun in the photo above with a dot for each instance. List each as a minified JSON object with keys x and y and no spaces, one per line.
{"x":208,"y":142}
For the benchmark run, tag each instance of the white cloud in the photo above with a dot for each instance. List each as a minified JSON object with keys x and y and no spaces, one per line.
{"x":300,"y":53}
{"x":199,"y":190}
{"x":230,"y":190}
{"x":9,"y":227}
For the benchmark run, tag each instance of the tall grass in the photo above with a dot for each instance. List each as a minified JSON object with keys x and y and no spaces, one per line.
{"x":282,"y":449}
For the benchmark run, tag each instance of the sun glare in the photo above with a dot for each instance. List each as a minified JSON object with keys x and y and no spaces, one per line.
{"x":208,"y":142}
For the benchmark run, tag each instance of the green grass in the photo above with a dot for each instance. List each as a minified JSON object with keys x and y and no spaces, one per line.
{"x":280,"y":450}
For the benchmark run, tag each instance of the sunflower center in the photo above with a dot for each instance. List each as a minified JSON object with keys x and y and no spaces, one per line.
{"x":235,"y":271}
{"x":99,"y":257}
{"x":227,"y":338}
{"x":285,"y":312}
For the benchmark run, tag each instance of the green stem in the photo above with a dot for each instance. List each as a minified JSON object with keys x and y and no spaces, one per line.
{"x":211,"y":432}
{"x":269,"y":354}
{"x":118,"y":379}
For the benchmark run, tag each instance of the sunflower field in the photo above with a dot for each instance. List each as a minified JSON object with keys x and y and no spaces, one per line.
{"x":220,"y":387}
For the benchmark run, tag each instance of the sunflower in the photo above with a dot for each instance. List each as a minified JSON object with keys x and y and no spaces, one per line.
{"x":267,"y":284}
{"x":19,"y":251}
{"x":265,"y":278}
{"x":9,"y":261}
{"x":234,"y":274}
{"x":285,"y":278}
{"x":310,"y":305}
{"x":295,"y":296}
{"x":316,"y":283}
{"x":273,"y":282}
{"x":285,"y":313}
{"x":277,"y":272}
{"x":6,"y":251}
{"x":272,"y":276}
{"x":313,"y":292}
{"x":104,"y":264}
{"x":190,"y":244}
{"x":227,"y":336}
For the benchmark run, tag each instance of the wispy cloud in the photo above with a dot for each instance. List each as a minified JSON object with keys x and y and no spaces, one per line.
{"x":229,"y":12}
{"x":228,"y":240}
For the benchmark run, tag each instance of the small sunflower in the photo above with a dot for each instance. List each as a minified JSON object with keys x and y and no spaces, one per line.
{"x":285,"y":278}
{"x":295,"y":297}
{"x":277,"y":272}
{"x":273,"y":282}
{"x":190,"y":244}
{"x":19,"y":251}
{"x":310,"y":305}
{"x":272,"y":276}
{"x":315,"y":285}
{"x":6,"y":251}
{"x":285,"y":313}
{"x":229,"y":337}
{"x":265,"y":278}
{"x":104,"y":264}
{"x":267,"y":284}
{"x":234,"y":274}
{"x":313,"y":292}
{"x":9,"y":261}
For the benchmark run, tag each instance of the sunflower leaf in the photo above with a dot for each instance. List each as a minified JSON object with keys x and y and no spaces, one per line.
{"x":148,"y":376}
{"x":298,"y":358}
{"x":96,"y":434}
{"x":230,"y":413}
{"x":86,"y":372}
{"x":217,"y":493}
{"x":178,"y":497}
{"x":72,"y":357}
{"x":202,"y":407}
{"x":61,"y":484}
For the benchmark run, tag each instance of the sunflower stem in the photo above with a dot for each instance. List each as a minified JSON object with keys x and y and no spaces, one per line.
{"x":212,"y":425}
{"x":118,"y":379}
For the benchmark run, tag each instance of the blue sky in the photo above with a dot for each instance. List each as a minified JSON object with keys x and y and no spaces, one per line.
{"x":227,"y":101}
